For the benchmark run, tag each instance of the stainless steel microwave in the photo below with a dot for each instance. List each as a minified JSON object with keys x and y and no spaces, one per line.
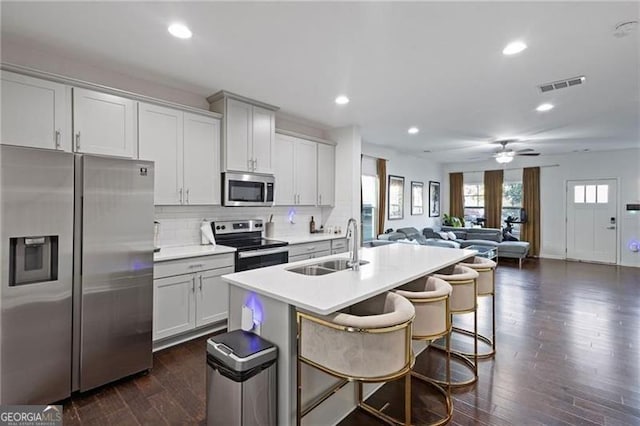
{"x":247,"y":189}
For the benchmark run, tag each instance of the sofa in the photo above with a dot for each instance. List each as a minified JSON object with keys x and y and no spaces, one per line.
{"x":485,"y":237}
{"x":412,"y":236}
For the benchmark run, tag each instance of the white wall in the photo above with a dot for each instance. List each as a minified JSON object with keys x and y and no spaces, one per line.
{"x":347,"y":201}
{"x":623,"y":165}
{"x":412,"y":168}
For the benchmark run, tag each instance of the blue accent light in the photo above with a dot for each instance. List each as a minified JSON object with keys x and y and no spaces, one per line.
{"x":292,"y":215}
{"x":253,"y":302}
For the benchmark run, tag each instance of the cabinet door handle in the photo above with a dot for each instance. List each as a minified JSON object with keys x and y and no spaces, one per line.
{"x":193,"y":284}
{"x":200,"y":283}
{"x":187,"y":197}
{"x":77,"y":141}
{"x":320,"y":199}
{"x":180,"y":191}
{"x":196,"y":265}
{"x":250,"y":164}
{"x":255,"y":163}
{"x":57,"y":139}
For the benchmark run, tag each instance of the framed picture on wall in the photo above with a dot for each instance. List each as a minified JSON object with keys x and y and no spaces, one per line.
{"x":417,"y":199}
{"x":434,"y":199}
{"x":396,"y":197}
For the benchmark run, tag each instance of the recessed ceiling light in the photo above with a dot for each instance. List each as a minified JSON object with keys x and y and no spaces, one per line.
{"x":413,"y":130}
{"x":513,"y":48}
{"x":342,"y":100}
{"x":180,"y":31}
{"x":544,"y":107}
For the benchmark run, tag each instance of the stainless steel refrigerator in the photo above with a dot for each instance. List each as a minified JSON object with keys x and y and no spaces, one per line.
{"x":77,"y":272}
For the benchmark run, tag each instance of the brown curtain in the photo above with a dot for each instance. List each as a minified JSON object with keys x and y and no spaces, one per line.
{"x":456,"y":197}
{"x":493,"y":198}
{"x":382,"y":192}
{"x":531,"y":204}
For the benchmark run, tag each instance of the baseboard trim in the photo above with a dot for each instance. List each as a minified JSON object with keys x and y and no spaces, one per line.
{"x":551,"y":256}
{"x":165,"y":343}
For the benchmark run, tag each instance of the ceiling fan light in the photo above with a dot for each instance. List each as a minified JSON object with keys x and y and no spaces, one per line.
{"x":504,"y":157}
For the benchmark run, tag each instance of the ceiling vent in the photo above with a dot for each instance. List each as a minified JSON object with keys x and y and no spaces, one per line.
{"x":561,"y":84}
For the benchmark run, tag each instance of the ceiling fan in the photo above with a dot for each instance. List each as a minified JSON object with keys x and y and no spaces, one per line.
{"x":505,"y":155}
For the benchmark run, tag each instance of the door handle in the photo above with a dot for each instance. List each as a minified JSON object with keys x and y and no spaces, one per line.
{"x":320,"y":197}
{"x":187,"y":196}
{"x":255,"y":163}
{"x":77,"y":141}
{"x":193,"y":284}
{"x":57,"y":139}
{"x":200,"y":283}
{"x":180,"y":191}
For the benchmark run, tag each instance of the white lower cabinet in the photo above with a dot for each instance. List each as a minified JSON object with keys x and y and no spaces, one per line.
{"x":173,"y":306}
{"x":309,"y":250}
{"x":194,"y":298}
{"x":339,"y":246}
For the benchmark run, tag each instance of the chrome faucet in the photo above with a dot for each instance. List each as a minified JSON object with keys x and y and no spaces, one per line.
{"x":354,"y":262}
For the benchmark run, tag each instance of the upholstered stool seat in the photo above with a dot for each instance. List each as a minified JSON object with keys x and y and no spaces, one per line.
{"x":486,"y":287}
{"x":430,"y":298}
{"x":367,"y":342}
{"x":463,"y":299}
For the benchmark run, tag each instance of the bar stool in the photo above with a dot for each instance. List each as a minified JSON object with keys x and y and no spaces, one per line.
{"x":369,"y":342}
{"x":463,"y":300}
{"x":430,"y":298}
{"x":486,"y":269}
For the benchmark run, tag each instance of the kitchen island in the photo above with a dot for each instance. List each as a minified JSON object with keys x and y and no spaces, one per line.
{"x":275,"y":293}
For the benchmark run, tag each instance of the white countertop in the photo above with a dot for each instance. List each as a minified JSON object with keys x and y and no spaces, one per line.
{"x":182,"y":252}
{"x":390,"y":266}
{"x":308,"y":238}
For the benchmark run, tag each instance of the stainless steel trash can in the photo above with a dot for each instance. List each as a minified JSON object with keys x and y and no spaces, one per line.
{"x":241,"y":380}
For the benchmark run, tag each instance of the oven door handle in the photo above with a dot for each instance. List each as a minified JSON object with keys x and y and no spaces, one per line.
{"x":265,"y":252}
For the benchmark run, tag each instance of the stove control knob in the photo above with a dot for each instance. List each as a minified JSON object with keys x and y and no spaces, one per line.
{"x":218,"y":227}
{"x":224,"y":227}
{"x":258,"y":225}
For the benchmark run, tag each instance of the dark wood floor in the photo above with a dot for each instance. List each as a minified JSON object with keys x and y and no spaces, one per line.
{"x":568,"y":353}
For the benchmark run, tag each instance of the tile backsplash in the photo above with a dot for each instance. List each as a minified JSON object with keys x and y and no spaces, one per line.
{"x":180,"y":225}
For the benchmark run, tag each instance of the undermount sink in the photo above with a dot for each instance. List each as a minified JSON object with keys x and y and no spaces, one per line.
{"x":311,"y":270}
{"x":339,"y":264}
{"x":324,"y":268}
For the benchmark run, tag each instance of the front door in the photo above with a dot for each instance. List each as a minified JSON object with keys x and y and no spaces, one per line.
{"x":592,"y":221}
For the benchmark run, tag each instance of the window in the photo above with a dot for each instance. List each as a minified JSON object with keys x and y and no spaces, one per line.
{"x":369,"y":207}
{"x":511,"y":204}
{"x":591,"y":194}
{"x":473,"y":202}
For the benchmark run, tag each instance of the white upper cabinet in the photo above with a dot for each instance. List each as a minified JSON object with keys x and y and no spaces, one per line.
{"x":201,"y":159}
{"x":248,"y":133}
{"x":264,"y":128}
{"x":160,"y":133}
{"x":285,"y":194}
{"x":295,"y":171}
{"x":239,"y":131}
{"x":35,"y":113}
{"x":305,"y":164}
{"x":326,"y":174}
{"x":186,"y":150}
{"x":103,"y":124}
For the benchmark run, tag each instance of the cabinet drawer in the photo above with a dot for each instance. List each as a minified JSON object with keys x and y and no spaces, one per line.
{"x":307,"y":248}
{"x":340,"y":244}
{"x":321,"y":254}
{"x":193,"y":264}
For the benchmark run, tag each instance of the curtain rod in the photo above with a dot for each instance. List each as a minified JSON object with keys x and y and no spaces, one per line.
{"x":512,"y":168}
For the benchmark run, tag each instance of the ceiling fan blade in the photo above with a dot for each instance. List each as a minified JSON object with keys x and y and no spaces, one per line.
{"x":528,"y":154}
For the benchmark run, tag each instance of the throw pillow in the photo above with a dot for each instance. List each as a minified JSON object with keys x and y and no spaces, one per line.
{"x":443,"y":235}
{"x":451,"y":235}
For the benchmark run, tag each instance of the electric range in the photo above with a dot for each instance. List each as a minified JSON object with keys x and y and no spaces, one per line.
{"x":253,"y":251}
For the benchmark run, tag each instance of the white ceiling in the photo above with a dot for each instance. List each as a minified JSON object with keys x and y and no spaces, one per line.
{"x":438,"y":66}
